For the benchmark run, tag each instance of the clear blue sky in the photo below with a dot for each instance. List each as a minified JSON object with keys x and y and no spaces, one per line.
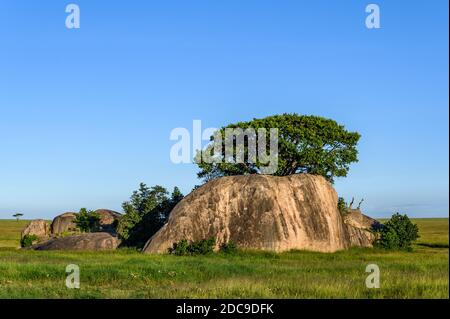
{"x":85,"y":115}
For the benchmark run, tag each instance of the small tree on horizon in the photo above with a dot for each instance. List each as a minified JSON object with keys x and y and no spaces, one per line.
{"x":17,"y":216}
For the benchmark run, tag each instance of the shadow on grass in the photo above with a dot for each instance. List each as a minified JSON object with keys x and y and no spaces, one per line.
{"x":436,"y":245}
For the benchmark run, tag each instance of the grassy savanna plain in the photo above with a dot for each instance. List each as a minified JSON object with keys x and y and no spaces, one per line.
{"x":125,"y":273}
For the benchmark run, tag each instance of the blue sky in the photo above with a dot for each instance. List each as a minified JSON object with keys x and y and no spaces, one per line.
{"x":85,"y":115}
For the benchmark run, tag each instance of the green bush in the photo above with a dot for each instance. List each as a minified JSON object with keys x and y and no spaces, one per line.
{"x":180,"y":249}
{"x":194,"y":248}
{"x":27,"y":240}
{"x":87,"y":221}
{"x":228,"y":248}
{"x":397,"y":233}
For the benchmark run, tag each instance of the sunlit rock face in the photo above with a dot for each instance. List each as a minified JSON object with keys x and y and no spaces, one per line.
{"x":261,"y":212}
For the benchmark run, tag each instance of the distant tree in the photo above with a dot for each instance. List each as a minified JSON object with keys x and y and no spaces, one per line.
{"x":17,"y":216}
{"x":307,"y":144}
{"x":145,"y":213}
{"x":397,"y":233}
{"x":87,"y":221}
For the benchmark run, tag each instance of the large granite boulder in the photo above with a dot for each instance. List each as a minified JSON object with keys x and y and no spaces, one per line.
{"x":38,"y":227}
{"x":261,"y":212}
{"x":63,"y":223}
{"x":86,"y":241}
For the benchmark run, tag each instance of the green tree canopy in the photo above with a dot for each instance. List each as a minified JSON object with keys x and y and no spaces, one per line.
{"x":87,"y":221}
{"x":306,"y":144}
{"x":145,"y":213}
{"x":17,"y":216}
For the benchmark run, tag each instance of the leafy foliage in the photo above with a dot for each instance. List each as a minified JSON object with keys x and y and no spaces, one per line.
{"x":397,"y":233}
{"x":87,"y":221}
{"x":145,"y":213}
{"x":342,"y":205}
{"x":307,"y":144}
{"x":27,"y":240}
{"x":194,"y":248}
{"x":180,"y":248}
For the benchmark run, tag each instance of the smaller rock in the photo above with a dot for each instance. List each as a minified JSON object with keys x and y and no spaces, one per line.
{"x":39,"y":227}
{"x":108,"y":219}
{"x":356,"y":218}
{"x":63,"y":223}
{"x":86,"y":241}
{"x":360,"y":237}
{"x":360,"y":228}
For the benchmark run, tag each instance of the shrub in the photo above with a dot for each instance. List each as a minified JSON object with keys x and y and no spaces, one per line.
{"x":202,"y":247}
{"x":180,"y":249}
{"x":397,"y":233}
{"x":194,"y":248}
{"x":27,"y":240}
{"x":87,"y":221}
{"x":228,"y":248}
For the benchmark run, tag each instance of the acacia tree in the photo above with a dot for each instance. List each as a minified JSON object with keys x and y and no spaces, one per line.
{"x":17,"y":216}
{"x":306,"y":144}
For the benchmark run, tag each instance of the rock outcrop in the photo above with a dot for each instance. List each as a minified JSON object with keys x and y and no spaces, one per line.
{"x":356,"y":218}
{"x":86,"y":241}
{"x":63,"y":223}
{"x":261,"y":212}
{"x":38,"y":227}
{"x":108,"y":219}
{"x":360,"y":228}
{"x":359,"y":237}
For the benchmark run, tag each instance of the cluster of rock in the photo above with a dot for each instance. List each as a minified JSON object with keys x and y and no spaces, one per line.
{"x":62,"y":233}
{"x":254,"y":211}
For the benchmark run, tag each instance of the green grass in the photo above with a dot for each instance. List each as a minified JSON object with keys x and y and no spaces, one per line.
{"x":422,"y":273}
{"x":433,"y":231}
{"x":10,"y":232}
